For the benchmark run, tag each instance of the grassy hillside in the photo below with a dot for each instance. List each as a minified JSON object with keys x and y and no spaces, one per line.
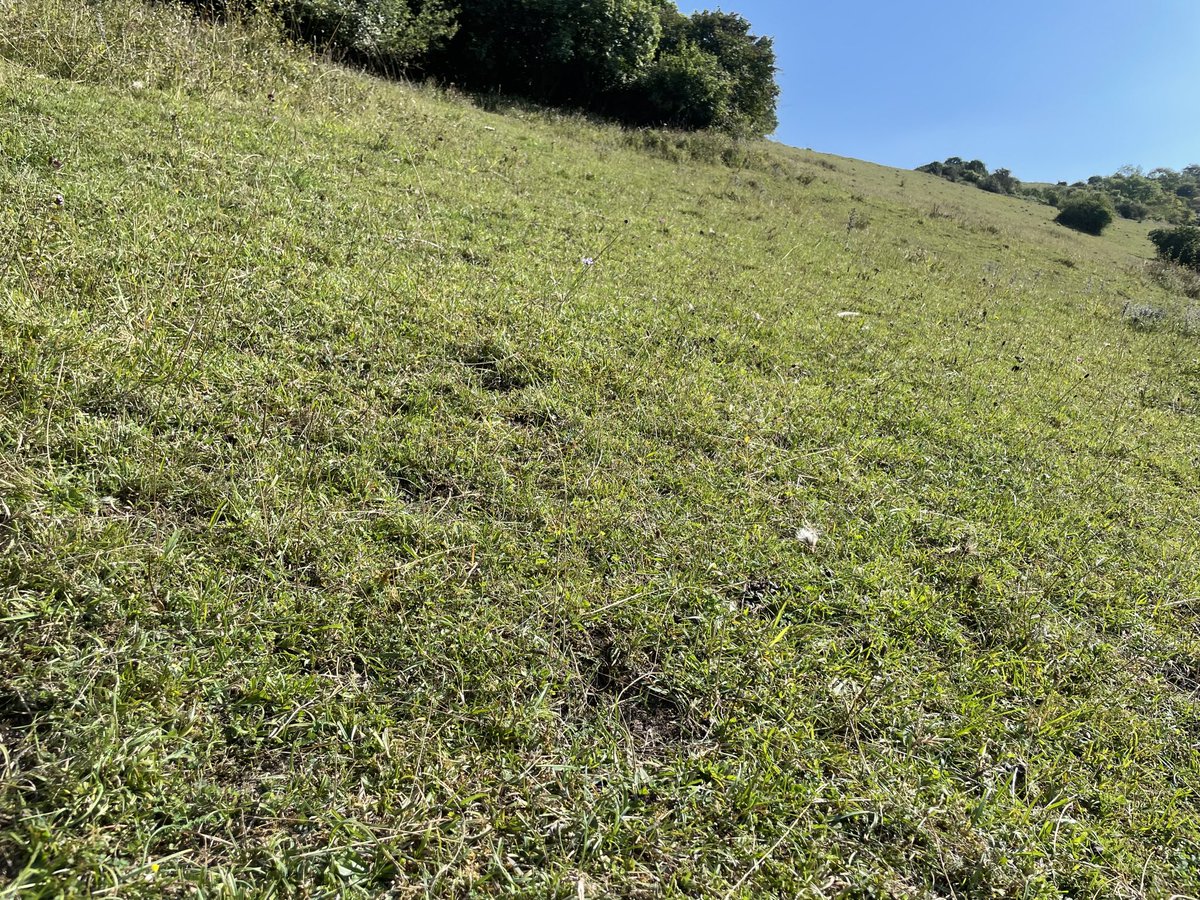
{"x":402,"y":498}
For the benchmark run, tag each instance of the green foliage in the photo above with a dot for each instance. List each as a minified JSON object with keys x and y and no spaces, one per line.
{"x":551,"y":50}
{"x":641,"y":61}
{"x":1132,"y":209}
{"x":686,"y":87}
{"x":1163,"y":194}
{"x":1179,"y":245}
{"x":749,"y":63}
{"x":1088,"y":212}
{"x":1000,"y":182}
{"x":974,"y":172}
{"x":388,"y":35}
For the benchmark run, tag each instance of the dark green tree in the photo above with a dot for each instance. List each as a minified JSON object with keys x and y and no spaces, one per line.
{"x":686,"y":87}
{"x":1132,"y":209}
{"x":1001,"y":181}
{"x":1178,"y":245}
{"x":749,"y":61}
{"x":553,"y":50}
{"x":1090,"y":213}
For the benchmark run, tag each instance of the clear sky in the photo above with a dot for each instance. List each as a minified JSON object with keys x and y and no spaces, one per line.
{"x":1053,"y":90}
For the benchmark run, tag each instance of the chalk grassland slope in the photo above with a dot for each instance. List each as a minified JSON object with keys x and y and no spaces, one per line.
{"x":359,"y":537}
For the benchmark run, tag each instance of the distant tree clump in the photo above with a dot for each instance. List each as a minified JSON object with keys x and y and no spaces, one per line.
{"x":974,"y":172}
{"x":1179,"y":245}
{"x":1132,"y":209}
{"x":1089,"y":213}
{"x":1163,"y":194}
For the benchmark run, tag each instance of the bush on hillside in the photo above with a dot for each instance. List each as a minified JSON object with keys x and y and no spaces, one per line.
{"x":1178,"y":245}
{"x":642,"y":62}
{"x":388,"y":36}
{"x":1089,"y":213}
{"x":684,"y":88}
{"x":974,"y":172}
{"x":1132,"y":209}
{"x":1166,"y":194}
{"x":1000,"y":182}
{"x":551,"y":50}
{"x":748,"y":61}
{"x":1175,"y":278}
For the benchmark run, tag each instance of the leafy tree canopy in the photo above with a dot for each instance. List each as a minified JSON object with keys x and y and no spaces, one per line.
{"x":1090,"y":213}
{"x":1178,"y":245}
{"x":974,"y":172}
{"x":640,"y":61}
{"x":552,"y":50}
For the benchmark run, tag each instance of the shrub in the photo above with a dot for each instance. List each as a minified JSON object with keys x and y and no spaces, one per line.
{"x":1143,"y":315}
{"x":552,"y":50}
{"x":1132,"y":209}
{"x":1000,"y":182}
{"x":749,"y":62}
{"x":1175,"y":278}
{"x":974,"y":172}
{"x":684,"y":88}
{"x":640,"y":61}
{"x":1178,"y":245}
{"x":387,"y":35}
{"x":1009,"y":184}
{"x":709,"y":72}
{"x":1089,"y":213}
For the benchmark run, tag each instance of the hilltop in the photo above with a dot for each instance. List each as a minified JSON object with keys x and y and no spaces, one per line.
{"x":403,"y":497}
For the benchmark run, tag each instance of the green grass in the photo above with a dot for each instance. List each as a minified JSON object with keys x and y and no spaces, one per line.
{"x":357,"y":538}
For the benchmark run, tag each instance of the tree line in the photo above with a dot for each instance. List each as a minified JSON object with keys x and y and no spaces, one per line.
{"x":642,"y":62}
{"x":1164,"y":194}
{"x":1167,"y":195}
{"x":974,"y":172}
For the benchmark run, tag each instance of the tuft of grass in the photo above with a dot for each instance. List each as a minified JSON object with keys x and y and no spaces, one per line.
{"x":1143,"y":315}
{"x":1174,"y":278}
{"x":361,"y":539}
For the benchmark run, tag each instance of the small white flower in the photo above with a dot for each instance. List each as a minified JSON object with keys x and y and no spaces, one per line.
{"x":138,"y":85}
{"x":588,"y":261}
{"x":808,"y":536}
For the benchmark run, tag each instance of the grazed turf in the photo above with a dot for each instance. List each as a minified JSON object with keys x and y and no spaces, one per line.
{"x":359,"y":537}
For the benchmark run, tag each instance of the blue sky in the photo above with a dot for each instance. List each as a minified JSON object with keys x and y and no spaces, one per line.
{"x":1053,"y":90}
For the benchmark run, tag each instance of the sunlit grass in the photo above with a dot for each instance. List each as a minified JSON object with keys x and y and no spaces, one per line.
{"x":360,"y":537}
